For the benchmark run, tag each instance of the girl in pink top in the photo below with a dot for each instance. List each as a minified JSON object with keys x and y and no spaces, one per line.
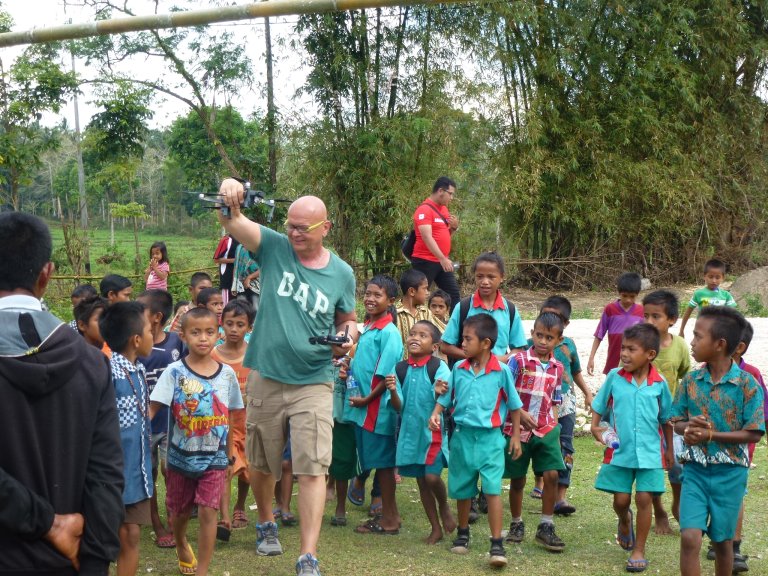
{"x":156,"y":274}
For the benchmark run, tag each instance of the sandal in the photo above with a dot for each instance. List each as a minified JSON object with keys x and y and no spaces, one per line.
{"x":627,"y":542}
{"x":239,"y":519}
{"x":355,"y":495}
{"x":276,"y":513}
{"x":287,"y":519}
{"x":338,"y":521}
{"x":536,"y":493}
{"x":223,"y":532}
{"x":372,"y":526}
{"x":636,"y":566}
{"x":375,"y":510}
{"x":165,"y":541}
{"x":187,"y":568}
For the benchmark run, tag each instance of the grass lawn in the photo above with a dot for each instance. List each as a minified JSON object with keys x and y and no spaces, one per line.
{"x":588,"y":534}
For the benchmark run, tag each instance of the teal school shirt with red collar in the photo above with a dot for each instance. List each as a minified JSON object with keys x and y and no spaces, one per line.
{"x":509,"y":336}
{"x":481,"y":400}
{"x":378,"y":350}
{"x":636,"y":412}
{"x":416,"y":443}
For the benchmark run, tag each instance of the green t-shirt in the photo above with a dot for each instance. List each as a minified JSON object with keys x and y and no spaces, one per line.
{"x":673,"y":362}
{"x":296,"y":302}
{"x":706,"y":297}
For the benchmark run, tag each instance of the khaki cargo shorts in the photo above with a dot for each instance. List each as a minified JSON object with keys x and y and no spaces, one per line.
{"x":271,"y":407}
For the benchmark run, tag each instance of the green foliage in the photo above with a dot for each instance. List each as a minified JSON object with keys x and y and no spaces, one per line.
{"x":120,"y":129}
{"x":755,"y":307}
{"x":33,"y":85}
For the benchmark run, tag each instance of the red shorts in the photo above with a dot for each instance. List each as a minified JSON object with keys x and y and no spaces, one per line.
{"x":182,"y":492}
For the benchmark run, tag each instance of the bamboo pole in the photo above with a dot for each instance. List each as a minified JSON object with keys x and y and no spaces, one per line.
{"x":197,"y":18}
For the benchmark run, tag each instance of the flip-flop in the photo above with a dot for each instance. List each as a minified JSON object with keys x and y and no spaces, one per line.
{"x":636,"y":566}
{"x":355,"y":495}
{"x":187,"y":568}
{"x":375,"y":510}
{"x":372,"y":526}
{"x":536,"y":493}
{"x":627,"y":542}
{"x":239,"y":519}
{"x":338,"y":521}
{"x":288,"y":519}
{"x":166,"y":541}
{"x":223,"y":532}
{"x":276,"y":513}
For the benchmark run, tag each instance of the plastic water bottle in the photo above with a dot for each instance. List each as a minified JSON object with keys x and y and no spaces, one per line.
{"x":610,"y":438}
{"x":353,"y":390}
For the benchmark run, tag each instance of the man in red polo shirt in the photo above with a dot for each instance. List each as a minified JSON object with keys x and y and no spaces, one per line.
{"x":434,"y":225}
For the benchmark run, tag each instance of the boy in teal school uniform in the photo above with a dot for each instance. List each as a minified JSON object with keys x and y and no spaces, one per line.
{"x":481,"y":391}
{"x":718,"y":409}
{"x":378,"y":350}
{"x":636,"y":400}
{"x":421,"y":452}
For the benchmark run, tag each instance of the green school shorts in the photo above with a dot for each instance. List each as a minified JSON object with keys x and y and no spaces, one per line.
{"x":619,"y":479}
{"x":545,"y":453}
{"x":711,"y":497}
{"x":475,"y":453}
{"x":344,"y":464}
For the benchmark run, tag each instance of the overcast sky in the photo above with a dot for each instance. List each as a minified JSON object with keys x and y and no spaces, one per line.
{"x":288,"y":70}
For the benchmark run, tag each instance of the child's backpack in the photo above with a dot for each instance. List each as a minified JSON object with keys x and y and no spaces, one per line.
{"x":409,"y":241}
{"x":401,"y":368}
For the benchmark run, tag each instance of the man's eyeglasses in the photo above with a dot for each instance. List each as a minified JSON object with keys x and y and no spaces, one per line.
{"x":302,"y":229}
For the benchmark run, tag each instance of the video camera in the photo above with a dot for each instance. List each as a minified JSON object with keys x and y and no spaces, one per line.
{"x":331,"y":339}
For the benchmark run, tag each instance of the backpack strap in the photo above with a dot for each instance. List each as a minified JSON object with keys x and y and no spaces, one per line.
{"x":463,"y":312}
{"x":511,"y":308}
{"x":401,"y":369}
{"x":432,"y":366}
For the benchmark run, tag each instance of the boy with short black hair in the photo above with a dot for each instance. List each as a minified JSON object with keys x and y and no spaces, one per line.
{"x":661,"y":309}
{"x":636,"y":402}
{"x":568,"y":356}
{"x":716,"y":436}
{"x":422,"y":453}
{"x":617,"y":317}
{"x":538,"y":380}
{"x":116,"y":288}
{"x":167,"y":347}
{"x":126,"y":328}
{"x":80,"y":293}
{"x":440,"y":305}
{"x":711,"y":294}
{"x":211,"y":299}
{"x":412,"y":306}
{"x":199,"y":281}
{"x":200,"y":393}
{"x":87,"y":315}
{"x":482,"y":393}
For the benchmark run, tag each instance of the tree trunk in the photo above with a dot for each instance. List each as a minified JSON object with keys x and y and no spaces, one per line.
{"x":271,"y":127}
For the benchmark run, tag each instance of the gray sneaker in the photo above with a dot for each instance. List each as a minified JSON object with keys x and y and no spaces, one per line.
{"x":267,"y":543}
{"x":307,"y":566}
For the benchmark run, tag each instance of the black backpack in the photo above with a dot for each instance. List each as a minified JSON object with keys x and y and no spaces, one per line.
{"x":401,"y":369}
{"x":409,"y":241}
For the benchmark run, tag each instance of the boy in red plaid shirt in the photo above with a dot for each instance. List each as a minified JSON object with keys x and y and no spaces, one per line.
{"x":538,"y":379}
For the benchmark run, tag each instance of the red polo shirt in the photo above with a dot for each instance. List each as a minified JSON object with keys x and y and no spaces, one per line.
{"x":426,"y":216}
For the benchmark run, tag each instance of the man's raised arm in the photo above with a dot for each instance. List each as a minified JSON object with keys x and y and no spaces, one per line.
{"x":232,"y":194}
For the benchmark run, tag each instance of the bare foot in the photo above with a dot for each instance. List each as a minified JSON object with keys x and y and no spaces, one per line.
{"x":435,"y":536}
{"x":330,"y":494}
{"x":446,"y":516}
{"x":662,"y":524}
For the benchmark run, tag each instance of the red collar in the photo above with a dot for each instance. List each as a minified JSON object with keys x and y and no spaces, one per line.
{"x":381,"y":323}
{"x":418,"y":363}
{"x":532,"y":356}
{"x":492,"y":365}
{"x":653,"y":376}
{"x":498,"y":304}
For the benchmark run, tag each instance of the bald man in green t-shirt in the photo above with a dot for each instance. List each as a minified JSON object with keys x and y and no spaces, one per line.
{"x":306,"y":290}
